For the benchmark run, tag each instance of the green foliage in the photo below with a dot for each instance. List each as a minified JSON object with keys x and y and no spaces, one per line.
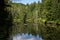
{"x":46,"y":14}
{"x":51,"y":8}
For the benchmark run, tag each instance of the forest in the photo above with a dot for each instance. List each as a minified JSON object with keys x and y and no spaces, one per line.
{"x":44,"y":16}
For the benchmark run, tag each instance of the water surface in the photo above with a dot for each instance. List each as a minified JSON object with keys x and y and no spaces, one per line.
{"x":26,"y":36}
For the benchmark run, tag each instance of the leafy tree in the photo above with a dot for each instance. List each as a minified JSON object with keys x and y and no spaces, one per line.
{"x":45,"y":13}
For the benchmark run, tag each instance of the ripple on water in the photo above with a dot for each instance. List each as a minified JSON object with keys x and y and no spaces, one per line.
{"x":26,"y":37}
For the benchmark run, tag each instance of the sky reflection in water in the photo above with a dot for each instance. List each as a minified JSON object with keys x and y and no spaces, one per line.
{"x":26,"y":37}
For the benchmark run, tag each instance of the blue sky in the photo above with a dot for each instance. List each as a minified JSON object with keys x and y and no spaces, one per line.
{"x":25,"y":1}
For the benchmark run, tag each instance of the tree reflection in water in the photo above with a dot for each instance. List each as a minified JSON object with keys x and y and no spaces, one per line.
{"x":26,"y":37}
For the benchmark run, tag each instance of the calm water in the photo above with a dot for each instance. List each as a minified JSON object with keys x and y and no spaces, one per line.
{"x":30,"y":31}
{"x":26,"y":36}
